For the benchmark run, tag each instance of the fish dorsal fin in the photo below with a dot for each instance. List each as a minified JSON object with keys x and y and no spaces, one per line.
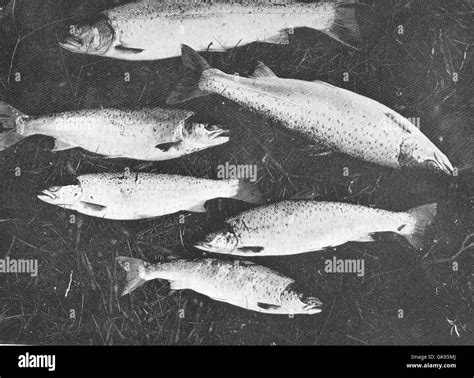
{"x":262,"y":71}
{"x":61,"y":145}
{"x":324,"y":83}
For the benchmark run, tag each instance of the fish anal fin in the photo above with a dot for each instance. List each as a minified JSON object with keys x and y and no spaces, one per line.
{"x":250,"y":249}
{"x":283,"y":38}
{"x":198,"y":208}
{"x":128,"y":50}
{"x":262,"y":71}
{"x":365,"y":238}
{"x":92,"y":206}
{"x":61,"y":145}
{"x":177,"y":285}
{"x":168,"y":146}
{"x":267,"y":306}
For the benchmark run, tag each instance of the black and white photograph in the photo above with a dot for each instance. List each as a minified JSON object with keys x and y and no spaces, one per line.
{"x":271,"y":173}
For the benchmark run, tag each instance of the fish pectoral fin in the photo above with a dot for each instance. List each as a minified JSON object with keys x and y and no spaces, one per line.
{"x":93,"y":206}
{"x":177,"y":285}
{"x":283,"y":37}
{"x":262,"y":71}
{"x":128,"y":50}
{"x":198,"y":208}
{"x":167,"y":146}
{"x":267,"y":306}
{"x":365,"y":238}
{"x":61,"y":145}
{"x":250,"y":249}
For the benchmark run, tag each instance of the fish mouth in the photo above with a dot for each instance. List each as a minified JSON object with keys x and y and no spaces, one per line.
{"x":210,"y":248}
{"x":442,"y":163}
{"x":219,"y":136}
{"x":219,"y":133}
{"x":71,"y":44}
{"x":313,"y":305}
{"x":47,"y":196}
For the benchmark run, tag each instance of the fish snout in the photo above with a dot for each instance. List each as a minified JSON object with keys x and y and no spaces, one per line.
{"x":442,"y":163}
{"x":312,"y":305}
{"x":47,"y":196}
{"x":219,"y":136}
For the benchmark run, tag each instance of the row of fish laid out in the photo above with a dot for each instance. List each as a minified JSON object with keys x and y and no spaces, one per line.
{"x":333,"y":117}
{"x":287,"y":227}
{"x":338,"y":119}
{"x":283,"y":228}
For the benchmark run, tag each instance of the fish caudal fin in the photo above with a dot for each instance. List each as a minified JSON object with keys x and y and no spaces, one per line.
{"x":135,"y":269}
{"x":423,"y":216}
{"x":345,"y":28}
{"x":248,"y":192}
{"x":11,"y":126}
{"x":188,"y":88}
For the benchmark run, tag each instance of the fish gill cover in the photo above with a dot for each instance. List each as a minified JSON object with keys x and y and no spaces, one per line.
{"x":416,"y":58}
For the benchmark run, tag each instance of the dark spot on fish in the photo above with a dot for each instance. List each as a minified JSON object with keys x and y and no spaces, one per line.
{"x":255,"y":249}
{"x":401,"y":227}
{"x":267,"y":306}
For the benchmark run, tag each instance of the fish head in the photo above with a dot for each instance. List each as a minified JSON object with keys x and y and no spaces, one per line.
{"x":219,"y":242}
{"x":89,"y":37}
{"x":297,"y":302}
{"x":64,"y":196}
{"x":416,"y":153}
{"x":202,"y":135}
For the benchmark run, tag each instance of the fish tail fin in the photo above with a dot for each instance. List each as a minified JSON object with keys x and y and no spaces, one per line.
{"x":11,"y":125}
{"x":422,"y":216}
{"x":248,"y":192}
{"x":135,"y":269}
{"x":188,"y":88}
{"x":344,"y":27}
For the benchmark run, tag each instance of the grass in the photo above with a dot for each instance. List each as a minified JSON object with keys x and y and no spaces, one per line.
{"x":411,"y":73}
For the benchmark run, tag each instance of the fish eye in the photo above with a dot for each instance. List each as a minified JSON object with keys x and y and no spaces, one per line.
{"x":54,"y":189}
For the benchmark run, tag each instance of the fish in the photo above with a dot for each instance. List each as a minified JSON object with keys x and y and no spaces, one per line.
{"x":151,"y":134}
{"x":240,"y":283}
{"x":131,"y":196}
{"x":338,"y":119}
{"x":300,"y":226}
{"x":154,"y":29}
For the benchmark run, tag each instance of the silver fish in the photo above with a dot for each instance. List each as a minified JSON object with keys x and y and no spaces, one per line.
{"x":144,"y":195}
{"x":299,"y":226}
{"x":341,"y":120}
{"x":153,"y":29}
{"x":146,"y":134}
{"x":240,"y":283}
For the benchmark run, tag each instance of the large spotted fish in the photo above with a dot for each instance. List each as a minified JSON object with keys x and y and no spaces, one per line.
{"x":154,"y":29}
{"x":146,"y":134}
{"x":144,"y":195}
{"x":298,"y":226}
{"x":240,"y":283}
{"x":341,"y":120}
